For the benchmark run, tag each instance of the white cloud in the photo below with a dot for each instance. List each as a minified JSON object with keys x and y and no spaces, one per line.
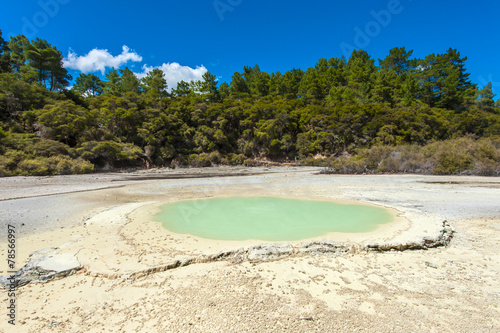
{"x":175,"y":73}
{"x":98,"y":60}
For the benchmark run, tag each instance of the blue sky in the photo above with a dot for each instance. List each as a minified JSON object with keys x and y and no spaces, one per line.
{"x":186,"y":38}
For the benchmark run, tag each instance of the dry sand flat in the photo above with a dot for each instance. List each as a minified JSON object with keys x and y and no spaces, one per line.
{"x":129,"y":284}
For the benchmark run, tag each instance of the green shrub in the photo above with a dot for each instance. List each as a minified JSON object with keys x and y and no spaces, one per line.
{"x":375,"y":156}
{"x":179,"y":162}
{"x":12,"y":158}
{"x":311,"y":161}
{"x":452,"y":162}
{"x":61,"y":165}
{"x":455,"y":156}
{"x":486,"y":150}
{"x":49,"y":148}
{"x":349,"y":165}
{"x":80,"y":166}
{"x":34,"y":167}
{"x":4,"y":172}
{"x":250,"y":163}
{"x":234,"y":159}
{"x":494,"y":141}
{"x":451,"y":156}
{"x":215,"y":157}
{"x":405,"y":159}
{"x":199,"y":160}
{"x":3,"y":134}
{"x":486,"y":167}
{"x":391,"y":163}
{"x":108,"y":152}
{"x":4,"y":169}
{"x":412,"y":160}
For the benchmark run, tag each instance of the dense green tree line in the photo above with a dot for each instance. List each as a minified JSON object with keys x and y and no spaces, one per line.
{"x":338,"y":106}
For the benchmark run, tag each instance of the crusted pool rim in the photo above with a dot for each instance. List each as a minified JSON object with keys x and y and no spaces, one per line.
{"x":63,"y":264}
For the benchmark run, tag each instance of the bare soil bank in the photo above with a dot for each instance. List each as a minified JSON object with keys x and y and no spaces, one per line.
{"x":104,"y":220}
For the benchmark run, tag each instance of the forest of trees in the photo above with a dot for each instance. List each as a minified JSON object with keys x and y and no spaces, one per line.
{"x":354,"y":115}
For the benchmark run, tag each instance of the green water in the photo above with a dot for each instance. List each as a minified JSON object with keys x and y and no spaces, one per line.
{"x":268,"y":218}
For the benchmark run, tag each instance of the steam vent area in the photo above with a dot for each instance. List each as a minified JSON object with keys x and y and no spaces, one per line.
{"x":209,"y":249}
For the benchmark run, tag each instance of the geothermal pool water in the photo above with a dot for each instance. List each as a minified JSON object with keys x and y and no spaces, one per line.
{"x":268,"y":218}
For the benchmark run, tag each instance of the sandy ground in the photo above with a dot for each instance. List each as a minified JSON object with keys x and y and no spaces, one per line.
{"x":105,"y":220}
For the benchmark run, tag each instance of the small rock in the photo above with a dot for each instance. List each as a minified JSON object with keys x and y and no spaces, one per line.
{"x":45,"y":265}
{"x":430,"y":264}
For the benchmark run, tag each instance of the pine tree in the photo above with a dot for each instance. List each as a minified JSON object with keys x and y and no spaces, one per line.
{"x":239,"y":85}
{"x":39,"y":62}
{"x":182,"y":89}
{"x":46,"y":61}
{"x":112,"y":86}
{"x":5,"y":66}
{"x":276,"y":84}
{"x":310,"y":88}
{"x":360,"y":69}
{"x":209,"y":87}
{"x":291,"y":82}
{"x":129,"y":82}
{"x":224,"y":90}
{"x":443,"y":80}
{"x":385,"y":86}
{"x":398,"y":60}
{"x":330,"y":74}
{"x":16,"y":46}
{"x":88,"y":85}
{"x":154,"y":84}
{"x":485,"y":96}
{"x":261,"y":84}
